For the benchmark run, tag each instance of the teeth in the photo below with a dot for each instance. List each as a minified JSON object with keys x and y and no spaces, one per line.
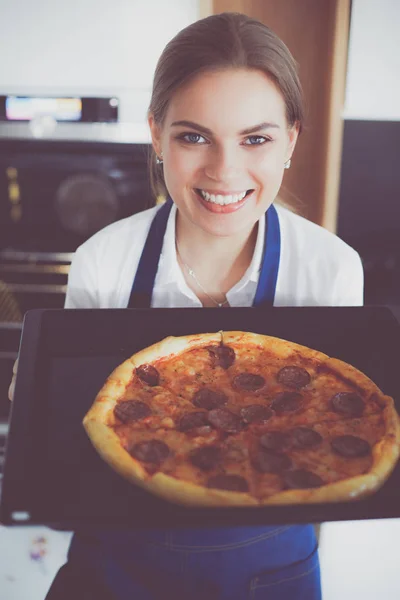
{"x":222,"y":200}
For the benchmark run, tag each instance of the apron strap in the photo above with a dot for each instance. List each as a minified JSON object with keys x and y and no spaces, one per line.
{"x":142,"y":288}
{"x":265,"y":293}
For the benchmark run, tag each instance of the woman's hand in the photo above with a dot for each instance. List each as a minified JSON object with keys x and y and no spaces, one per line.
{"x":12,"y":384}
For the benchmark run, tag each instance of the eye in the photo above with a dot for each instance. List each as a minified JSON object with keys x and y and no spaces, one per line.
{"x":256,"y":140}
{"x":192,"y":138}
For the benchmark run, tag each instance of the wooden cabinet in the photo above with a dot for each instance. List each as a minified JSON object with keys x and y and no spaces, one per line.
{"x":316,"y":32}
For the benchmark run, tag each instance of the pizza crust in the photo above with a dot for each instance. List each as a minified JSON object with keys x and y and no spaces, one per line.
{"x":387,"y":451}
{"x":283,"y":349}
{"x":108,"y":445}
{"x":113,"y":388}
{"x":356,"y":377}
{"x":191,"y":494}
{"x":173,"y":346}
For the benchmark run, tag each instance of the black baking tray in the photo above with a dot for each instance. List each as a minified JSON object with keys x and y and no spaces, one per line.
{"x":53,"y":475}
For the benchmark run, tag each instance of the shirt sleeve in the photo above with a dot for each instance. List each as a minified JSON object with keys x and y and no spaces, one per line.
{"x":82,"y":289}
{"x":349,"y":289}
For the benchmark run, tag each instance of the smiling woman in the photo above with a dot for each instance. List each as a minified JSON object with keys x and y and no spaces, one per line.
{"x":223,"y":160}
{"x":225,"y":115}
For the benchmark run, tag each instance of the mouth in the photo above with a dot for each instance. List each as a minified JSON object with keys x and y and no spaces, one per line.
{"x":223,"y":199}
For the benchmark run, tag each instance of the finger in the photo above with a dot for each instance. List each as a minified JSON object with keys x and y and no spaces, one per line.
{"x":11,"y":389}
{"x":15,"y":367}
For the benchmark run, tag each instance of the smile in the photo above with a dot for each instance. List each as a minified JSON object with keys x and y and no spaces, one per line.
{"x":223,"y":199}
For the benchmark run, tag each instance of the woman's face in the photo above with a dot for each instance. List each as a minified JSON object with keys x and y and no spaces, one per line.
{"x":224,"y":141}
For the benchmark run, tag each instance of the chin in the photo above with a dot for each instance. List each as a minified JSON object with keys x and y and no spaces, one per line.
{"x":220,"y":227}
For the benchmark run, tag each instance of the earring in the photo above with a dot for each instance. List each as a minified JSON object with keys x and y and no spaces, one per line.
{"x":288,"y":163}
{"x":159,"y":161}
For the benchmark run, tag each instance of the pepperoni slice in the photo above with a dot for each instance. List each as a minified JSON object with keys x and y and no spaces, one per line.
{"x":222,"y":356}
{"x":348,"y":403}
{"x":350,"y":446}
{"x":148,"y":374}
{"x":249,"y":381}
{"x":304,"y":437}
{"x":205,"y":458}
{"x":275,"y":440}
{"x":132,"y":410}
{"x":301,"y":478}
{"x":193,"y":420}
{"x":295,"y":377}
{"x":152,"y":451}
{"x":255,"y":413}
{"x":267,"y":461}
{"x":208,"y":399}
{"x":224,"y":419}
{"x":232,"y":483}
{"x":287,"y":402}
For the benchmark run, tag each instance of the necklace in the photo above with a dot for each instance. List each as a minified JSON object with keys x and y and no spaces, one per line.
{"x":193,"y":274}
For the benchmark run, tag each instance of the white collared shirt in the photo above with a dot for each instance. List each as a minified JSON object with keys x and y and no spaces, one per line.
{"x":316,"y":267}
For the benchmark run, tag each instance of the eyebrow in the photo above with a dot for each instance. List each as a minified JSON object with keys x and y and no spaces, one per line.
{"x":249,"y":130}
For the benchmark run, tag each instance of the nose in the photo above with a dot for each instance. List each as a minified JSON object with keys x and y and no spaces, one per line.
{"x":224,"y":164}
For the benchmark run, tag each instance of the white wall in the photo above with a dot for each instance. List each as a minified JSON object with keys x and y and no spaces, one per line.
{"x":373,"y":78}
{"x":360,"y":560}
{"x":88,"y":47}
{"x":29,"y":560}
{"x":97,"y":47}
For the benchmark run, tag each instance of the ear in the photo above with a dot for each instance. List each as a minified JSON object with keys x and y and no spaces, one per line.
{"x":293,"y":133}
{"x":155,"y":131}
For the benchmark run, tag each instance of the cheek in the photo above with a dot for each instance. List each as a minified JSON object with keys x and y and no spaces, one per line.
{"x":172,"y":172}
{"x":268,"y":169}
{"x":180,"y":167}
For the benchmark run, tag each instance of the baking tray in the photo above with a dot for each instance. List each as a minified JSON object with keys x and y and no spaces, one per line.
{"x":53,"y":475}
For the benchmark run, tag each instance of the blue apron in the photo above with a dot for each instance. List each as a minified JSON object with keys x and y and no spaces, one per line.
{"x":274,"y":563}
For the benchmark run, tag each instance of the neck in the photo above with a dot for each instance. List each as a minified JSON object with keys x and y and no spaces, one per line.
{"x":218,"y":262}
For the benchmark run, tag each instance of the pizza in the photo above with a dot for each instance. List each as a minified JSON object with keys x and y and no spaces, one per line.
{"x":240,"y":418}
